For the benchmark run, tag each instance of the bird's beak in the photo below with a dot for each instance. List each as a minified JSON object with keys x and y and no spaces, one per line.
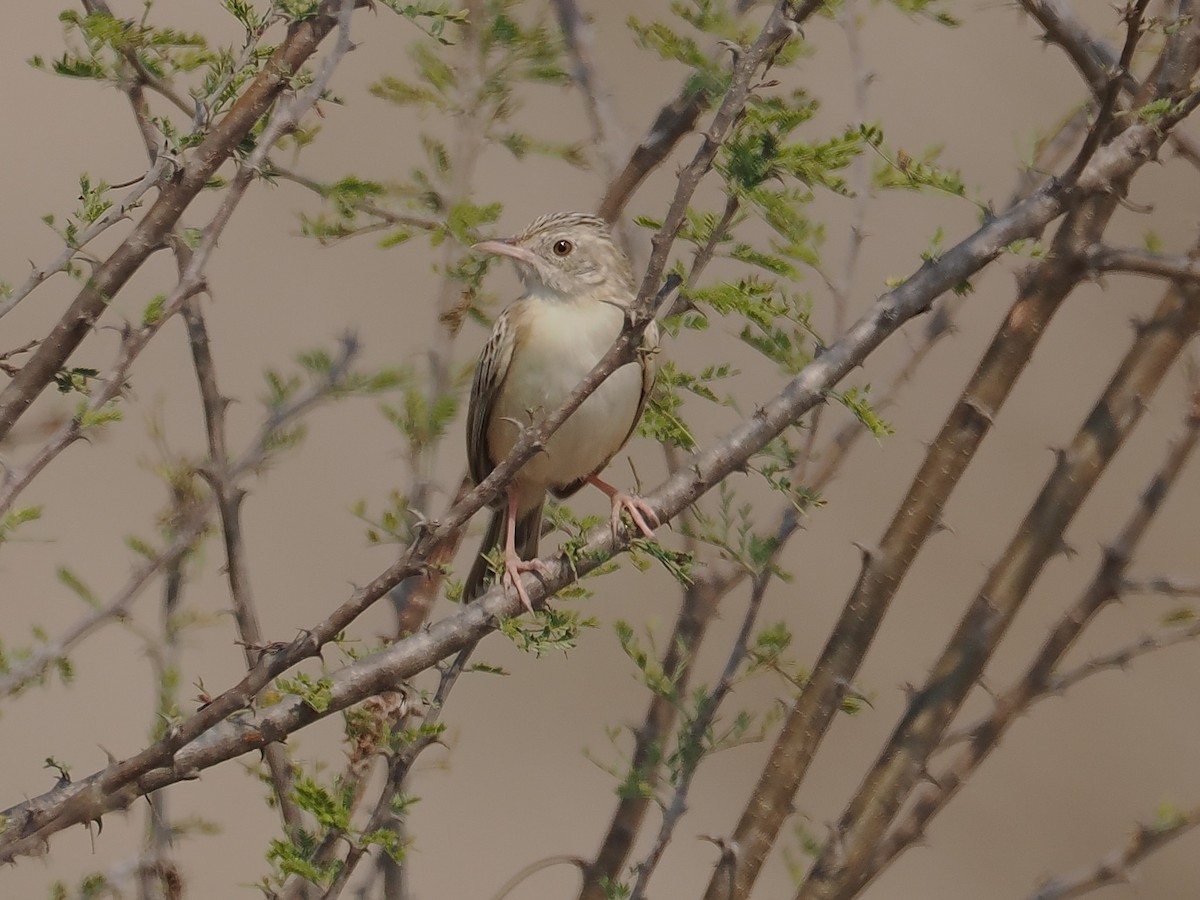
{"x":507,"y":247}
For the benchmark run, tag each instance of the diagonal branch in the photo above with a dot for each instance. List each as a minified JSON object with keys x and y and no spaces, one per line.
{"x":1115,"y":867}
{"x":1040,"y":678}
{"x":842,"y":867}
{"x":174,"y":196}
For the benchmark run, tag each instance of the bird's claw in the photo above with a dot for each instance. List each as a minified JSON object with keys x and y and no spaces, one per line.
{"x":642,"y":514}
{"x":514,"y":568}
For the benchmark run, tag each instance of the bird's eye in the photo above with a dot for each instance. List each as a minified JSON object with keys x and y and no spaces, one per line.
{"x":563,"y":247}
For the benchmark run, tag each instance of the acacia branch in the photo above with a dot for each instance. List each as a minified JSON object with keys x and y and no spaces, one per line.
{"x":115,"y":213}
{"x":606,"y":129}
{"x":1116,"y":866}
{"x":192,"y":279}
{"x":705,"y":716}
{"x":1040,"y":678}
{"x":842,"y":867}
{"x":1143,"y":262}
{"x":207,"y":738}
{"x":1163,"y":585}
{"x":174,"y":196}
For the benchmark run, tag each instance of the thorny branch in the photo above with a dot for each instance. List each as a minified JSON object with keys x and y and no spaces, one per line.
{"x":174,"y":196}
{"x":1116,"y":867}
{"x":1040,"y":678}
{"x":207,"y":738}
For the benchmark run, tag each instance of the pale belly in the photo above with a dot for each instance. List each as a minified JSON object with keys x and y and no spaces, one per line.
{"x":571,"y":346}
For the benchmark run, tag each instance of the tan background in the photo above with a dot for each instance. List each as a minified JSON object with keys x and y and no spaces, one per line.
{"x":1067,"y":785}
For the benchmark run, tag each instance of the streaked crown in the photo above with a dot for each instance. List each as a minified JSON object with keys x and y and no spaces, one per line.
{"x":572,"y":254}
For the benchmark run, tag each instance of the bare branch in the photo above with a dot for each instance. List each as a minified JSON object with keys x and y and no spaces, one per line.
{"x":1163,"y":585}
{"x":705,"y":716}
{"x":1116,"y":866}
{"x":606,"y":129}
{"x":842,"y":865}
{"x":1039,"y":679}
{"x":1142,"y":262}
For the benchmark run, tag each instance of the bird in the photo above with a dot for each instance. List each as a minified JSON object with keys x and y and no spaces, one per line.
{"x":578,"y":289}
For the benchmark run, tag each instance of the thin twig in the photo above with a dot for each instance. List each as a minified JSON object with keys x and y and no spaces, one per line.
{"x":115,"y":213}
{"x":1163,"y":585}
{"x":1116,"y":867}
{"x":705,"y":716}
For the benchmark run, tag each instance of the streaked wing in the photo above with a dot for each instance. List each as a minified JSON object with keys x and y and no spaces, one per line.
{"x":490,"y":372}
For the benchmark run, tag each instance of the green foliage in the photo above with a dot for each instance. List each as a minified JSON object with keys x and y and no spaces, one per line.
{"x":75,"y":584}
{"x":422,"y":420}
{"x":663,"y":419}
{"x":74,"y":378}
{"x":776,"y":463}
{"x":430,"y":17}
{"x":296,"y":858}
{"x":929,"y":9}
{"x":394,"y":525}
{"x":643,"y":552}
{"x":91,"y":887}
{"x":645,"y":658}
{"x":899,"y":170}
{"x":549,"y":630}
{"x":808,"y":846}
{"x":855,"y":400}
{"x":615,"y":890}
{"x":89,"y":418}
{"x":325,"y":378}
{"x":316,"y":693}
{"x":710,"y":74}
{"x":93,"y":203}
{"x":15,"y":518}
{"x":153,"y":312}
{"x":762,"y":147}
{"x":1180,"y":615}
{"x":732,"y":531}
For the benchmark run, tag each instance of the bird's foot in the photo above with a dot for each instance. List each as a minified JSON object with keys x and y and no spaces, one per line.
{"x":643,"y":515}
{"x":514,"y":568}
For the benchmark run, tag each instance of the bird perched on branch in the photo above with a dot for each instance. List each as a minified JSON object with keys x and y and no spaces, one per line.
{"x":578,"y":289}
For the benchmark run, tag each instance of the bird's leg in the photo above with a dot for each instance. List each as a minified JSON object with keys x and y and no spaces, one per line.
{"x":514,"y":566}
{"x":639,"y":510}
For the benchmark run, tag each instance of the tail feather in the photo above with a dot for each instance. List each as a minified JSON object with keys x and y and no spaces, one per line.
{"x":529,"y":528}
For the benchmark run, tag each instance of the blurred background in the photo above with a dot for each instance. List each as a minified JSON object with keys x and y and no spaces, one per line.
{"x":517,"y":782}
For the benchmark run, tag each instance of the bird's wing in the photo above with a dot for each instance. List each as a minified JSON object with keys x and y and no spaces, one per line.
{"x":647,"y":354}
{"x":490,"y":373}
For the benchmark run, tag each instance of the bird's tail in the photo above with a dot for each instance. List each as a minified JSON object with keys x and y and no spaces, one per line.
{"x":529,"y":528}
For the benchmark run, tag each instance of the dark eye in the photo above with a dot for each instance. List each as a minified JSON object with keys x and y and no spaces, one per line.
{"x":563,"y":247}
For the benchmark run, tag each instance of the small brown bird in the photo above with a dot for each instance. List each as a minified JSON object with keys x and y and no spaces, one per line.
{"x":578,"y":287}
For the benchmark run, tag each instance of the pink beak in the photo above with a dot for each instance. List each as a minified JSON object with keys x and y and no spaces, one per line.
{"x":506,"y":247}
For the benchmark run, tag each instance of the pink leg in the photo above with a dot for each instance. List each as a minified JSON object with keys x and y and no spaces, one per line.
{"x":514,"y":566}
{"x":639,"y":510}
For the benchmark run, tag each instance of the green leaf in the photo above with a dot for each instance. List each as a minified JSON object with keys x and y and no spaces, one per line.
{"x":74,"y":583}
{"x":855,"y":400}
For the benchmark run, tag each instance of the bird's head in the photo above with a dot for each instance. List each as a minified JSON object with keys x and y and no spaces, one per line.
{"x":568,"y":254}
